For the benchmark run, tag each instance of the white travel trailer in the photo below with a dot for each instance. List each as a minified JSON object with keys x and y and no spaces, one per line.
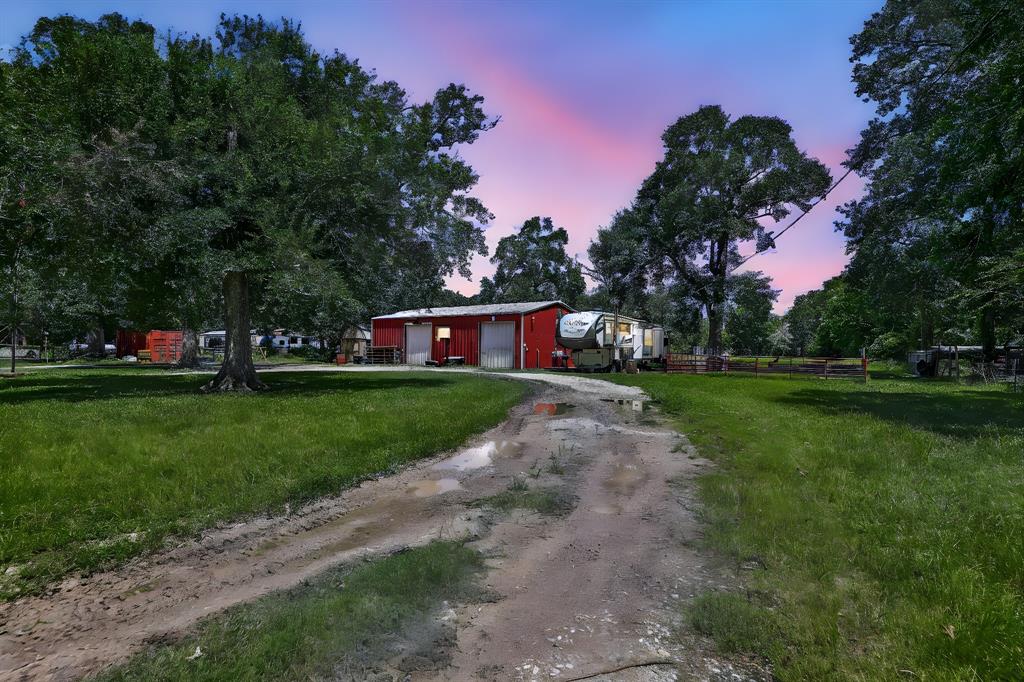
{"x":598,"y":341}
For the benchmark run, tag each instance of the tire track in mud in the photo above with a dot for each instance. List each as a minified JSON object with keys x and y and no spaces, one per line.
{"x":598,"y":589}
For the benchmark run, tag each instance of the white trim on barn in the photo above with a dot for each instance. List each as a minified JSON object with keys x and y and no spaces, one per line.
{"x":469,"y":310}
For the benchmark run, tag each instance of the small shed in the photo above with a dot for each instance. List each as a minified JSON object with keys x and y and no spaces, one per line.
{"x":355,"y":341}
{"x":495,"y":336}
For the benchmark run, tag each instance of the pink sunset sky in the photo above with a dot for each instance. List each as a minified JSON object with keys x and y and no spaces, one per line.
{"x":584,"y":91}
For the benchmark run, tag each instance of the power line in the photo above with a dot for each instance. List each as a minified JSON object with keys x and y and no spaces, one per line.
{"x":797,"y":219}
{"x":931,"y":81}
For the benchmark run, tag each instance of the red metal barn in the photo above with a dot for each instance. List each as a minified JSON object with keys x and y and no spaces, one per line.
{"x":501,"y":335}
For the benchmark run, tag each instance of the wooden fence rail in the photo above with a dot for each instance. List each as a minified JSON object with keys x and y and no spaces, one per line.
{"x":827,"y":368}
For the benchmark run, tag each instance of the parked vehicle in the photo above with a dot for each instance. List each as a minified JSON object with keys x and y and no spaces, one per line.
{"x":600,"y":342}
{"x":77,"y":347}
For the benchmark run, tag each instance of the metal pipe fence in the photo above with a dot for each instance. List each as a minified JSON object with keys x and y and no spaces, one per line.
{"x":827,"y":368}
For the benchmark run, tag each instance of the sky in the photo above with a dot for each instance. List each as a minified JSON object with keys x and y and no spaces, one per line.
{"x":584,"y":91}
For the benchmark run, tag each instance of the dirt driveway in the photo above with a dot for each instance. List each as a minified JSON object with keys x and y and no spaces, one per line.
{"x":595,"y":591}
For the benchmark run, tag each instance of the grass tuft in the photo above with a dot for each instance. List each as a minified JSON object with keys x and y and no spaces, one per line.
{"x":337,"y":626}
{"x":543,"y":501}
{"x":736,"y":625}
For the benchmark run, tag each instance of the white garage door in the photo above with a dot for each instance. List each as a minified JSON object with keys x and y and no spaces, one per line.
{"x":417,"y":343}
{"x":497,"y":345}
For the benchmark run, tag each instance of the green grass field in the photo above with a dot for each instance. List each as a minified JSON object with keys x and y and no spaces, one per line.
{"x":336,"y":627}
{"x":878,"y":528}
{"x":101,"y":465}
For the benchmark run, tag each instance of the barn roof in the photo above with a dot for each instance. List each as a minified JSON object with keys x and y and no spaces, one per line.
{"x":467,"y":310}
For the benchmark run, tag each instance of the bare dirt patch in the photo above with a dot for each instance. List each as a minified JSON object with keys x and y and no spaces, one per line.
{"x":598,"y":590}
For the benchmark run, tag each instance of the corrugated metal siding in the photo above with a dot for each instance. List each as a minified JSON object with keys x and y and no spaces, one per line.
{"x":165,"y":346}
{"x":388,"y":333}
{"x":540,"y":336}
{"x":130,"y":342}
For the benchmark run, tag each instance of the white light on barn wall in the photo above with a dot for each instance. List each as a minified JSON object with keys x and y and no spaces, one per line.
{"x":444,"y":333}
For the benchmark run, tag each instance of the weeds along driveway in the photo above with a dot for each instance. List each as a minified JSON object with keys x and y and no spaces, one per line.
{"x":596,"y":588}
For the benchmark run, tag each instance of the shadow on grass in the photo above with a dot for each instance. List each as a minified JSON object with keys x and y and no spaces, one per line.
{"x":78,"y":386}
{"x":961,"y":415}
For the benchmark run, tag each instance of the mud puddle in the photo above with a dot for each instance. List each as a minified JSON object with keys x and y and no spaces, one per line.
{"x":630,"y":404}
{"x":480,"y":456}
{"x":553,"y":409}
{"x":430,"y":487}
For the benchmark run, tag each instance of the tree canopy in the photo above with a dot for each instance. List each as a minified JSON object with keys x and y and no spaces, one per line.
{"x":532,"y":265}
{"x":718,"y":184}
{"x":306,"y":187}
{"x":942,"y":215}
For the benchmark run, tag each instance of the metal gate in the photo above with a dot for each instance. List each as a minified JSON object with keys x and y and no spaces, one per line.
{"x":497,"y":345}
{"x":417,"y":343}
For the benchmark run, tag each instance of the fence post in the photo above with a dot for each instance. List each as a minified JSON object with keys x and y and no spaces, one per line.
{"x":756,"y":362}
{"x":791,"y":367}
{"x":864,"y":363}
{"x":826,"y":369}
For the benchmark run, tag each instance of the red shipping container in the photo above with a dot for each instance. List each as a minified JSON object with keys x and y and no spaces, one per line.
{"x":164,"y":346}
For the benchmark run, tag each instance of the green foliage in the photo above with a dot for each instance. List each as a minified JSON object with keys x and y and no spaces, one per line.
{"x":882,"y":522}
{"x":941,"y":221}
{"x":749,"y":322}
{"x":619,"y":265}
{"x":737,"y":625}
{"x":142,"y":453}
{"x":718,"y":180}
{"x":889,"y":346}
{"x":338,"y":626}
{"x":532,"y":265}
{"x":149,"y":170}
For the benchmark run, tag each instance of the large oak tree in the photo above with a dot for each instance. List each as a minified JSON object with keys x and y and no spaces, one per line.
{"x":721,"y":182}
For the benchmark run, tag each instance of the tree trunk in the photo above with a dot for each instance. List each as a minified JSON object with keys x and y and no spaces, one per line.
{"x":189,"y":356}
{"x":237,"y":372}
{"x":715,"y":324}
{"x":987,"y":332}
{"x":97,"y":342}
{"x":718,"y":265}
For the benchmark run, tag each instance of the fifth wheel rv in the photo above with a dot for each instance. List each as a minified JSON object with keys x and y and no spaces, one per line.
{"x":597,"y":344}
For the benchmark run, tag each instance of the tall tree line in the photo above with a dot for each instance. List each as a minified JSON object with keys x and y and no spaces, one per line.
{"x":936,"y":241}
{"x":150,"y":178}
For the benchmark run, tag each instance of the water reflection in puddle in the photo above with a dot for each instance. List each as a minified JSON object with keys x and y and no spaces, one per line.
{"x":479,"y":456}
{"x":552,"y":409}
{"x":429,"y":488}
